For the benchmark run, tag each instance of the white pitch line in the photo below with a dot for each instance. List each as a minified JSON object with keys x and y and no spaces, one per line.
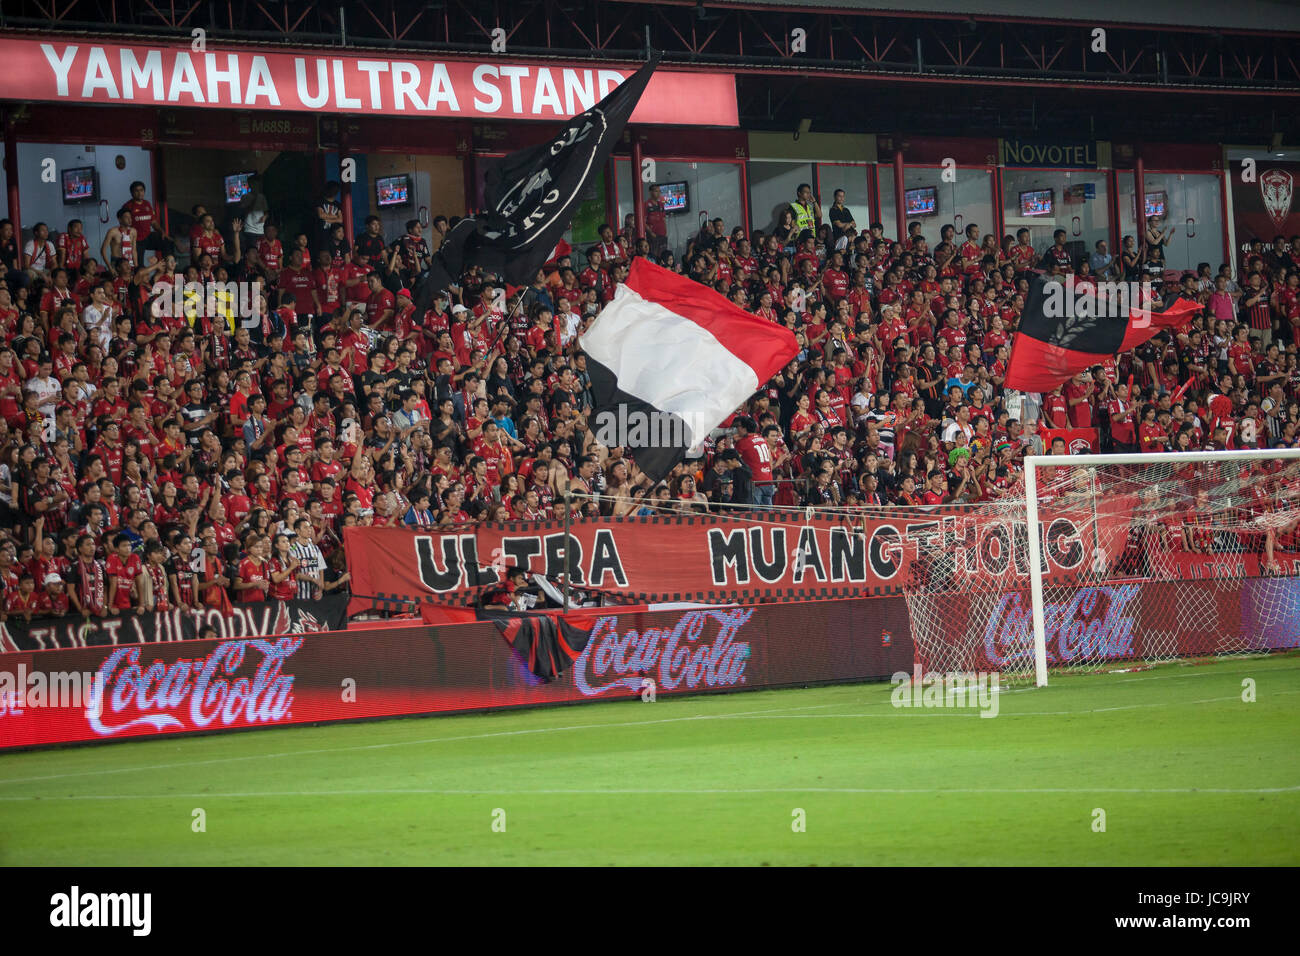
{"x":489,"y":791}
{"x":923,"y":711}
{"x":397,"y":743}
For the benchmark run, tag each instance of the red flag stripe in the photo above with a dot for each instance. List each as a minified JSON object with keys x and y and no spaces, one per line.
{"x":762,"y":345}
{"x":1037,"y":366}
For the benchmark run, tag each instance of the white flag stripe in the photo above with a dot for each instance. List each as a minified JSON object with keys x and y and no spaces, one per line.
{"x":668,"y":360}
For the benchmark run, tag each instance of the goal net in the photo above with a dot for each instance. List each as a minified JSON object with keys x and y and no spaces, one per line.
{"x":1137,"y":559}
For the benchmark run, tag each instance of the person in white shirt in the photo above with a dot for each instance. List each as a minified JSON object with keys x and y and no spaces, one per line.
{"x":569,"y":321}
{"x":46,"y":388}
{"x":39,"y":255}
{"x":97,"y":317}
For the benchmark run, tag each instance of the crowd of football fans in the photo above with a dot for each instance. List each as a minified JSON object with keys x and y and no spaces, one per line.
{"x":155,"y":456}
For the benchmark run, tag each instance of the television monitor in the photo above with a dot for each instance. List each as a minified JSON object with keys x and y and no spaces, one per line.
{"x":1157,"y":204}
{"x":922,"y":201}
{"x":1036,"y":202}
{"x":675,"y":197}
{"x":393,"y":191}
{"x":237,"y":186}
{"x":79,"y":185}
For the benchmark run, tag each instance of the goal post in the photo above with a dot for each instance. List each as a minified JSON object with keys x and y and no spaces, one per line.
{"x":1113,"y":561}
{"x":1228,"y":516}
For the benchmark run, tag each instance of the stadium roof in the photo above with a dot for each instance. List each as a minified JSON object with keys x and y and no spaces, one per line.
{"x":1281,"y":16}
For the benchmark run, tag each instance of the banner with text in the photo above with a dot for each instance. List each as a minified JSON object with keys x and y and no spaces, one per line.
{"x":113,"y":693}
{"x":81,"y":71}
{"x":774,"y":556}
{"x":246,"y":620}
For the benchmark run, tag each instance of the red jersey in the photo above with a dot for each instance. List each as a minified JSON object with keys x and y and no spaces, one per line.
{"x":211,"y":244}
{"x":953,"y":337}
{"x":74,"y":249}
{"x":1152,"y":438}
{"x":357,"y":291}
{"x":377,"y":304}
{"x":1080,"y":413}
{"x":125,"y":573}
{"x":300,"y":284}
{"x":1240,"y":358}
{"x":16,"y":602}
{"x":836,"y":283}
{"x":142,"y":216}
{"x":329,"y":286}
{"x":1056,"y":410}
{"x":271,"y":252}
{"x":755,"y":453}
{"x":250,"y":570}
{"x":285,"y":590}
{"x":1121,"y":431}
{"x":498,"y":458}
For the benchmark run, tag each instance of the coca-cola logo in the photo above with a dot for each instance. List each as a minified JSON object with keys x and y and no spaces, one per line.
{"x":1094,"y":624}
{"x":689,"y":653}
{"x":192,"y":694}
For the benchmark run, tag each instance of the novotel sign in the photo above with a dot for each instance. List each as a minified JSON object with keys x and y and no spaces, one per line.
{"x":1053,"y":155}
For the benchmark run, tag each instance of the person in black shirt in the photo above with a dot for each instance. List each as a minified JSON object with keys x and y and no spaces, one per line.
{"x":371,"y":242}
{"x":337,"y":246}
{"x":195,"y":413}
{"x":841,"y":215}
{"x":328,"y":212}
{"x":15,"y":276}
{"x":729,"y":480}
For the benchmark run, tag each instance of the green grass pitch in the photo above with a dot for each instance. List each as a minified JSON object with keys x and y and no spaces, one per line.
{"x":1185,"y":771}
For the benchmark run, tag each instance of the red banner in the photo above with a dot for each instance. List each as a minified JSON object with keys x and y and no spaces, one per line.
{"x":1078,"y":441}
{"x":76,"y":71}
{"x":113,"y":693}
{"x":708,"y":558}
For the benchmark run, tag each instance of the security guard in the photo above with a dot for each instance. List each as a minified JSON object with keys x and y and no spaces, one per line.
{"x":807,"y":212}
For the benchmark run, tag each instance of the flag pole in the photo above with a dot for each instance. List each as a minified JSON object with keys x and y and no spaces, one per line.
{"x":568,"y":508}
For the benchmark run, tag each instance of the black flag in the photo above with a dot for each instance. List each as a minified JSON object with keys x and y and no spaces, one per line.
{"x":532,"y":195}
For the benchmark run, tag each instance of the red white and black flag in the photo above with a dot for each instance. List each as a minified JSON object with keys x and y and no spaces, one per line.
{"x":669,"y":360}
{"x":531,"y":196}
{"x":1067,"y":328}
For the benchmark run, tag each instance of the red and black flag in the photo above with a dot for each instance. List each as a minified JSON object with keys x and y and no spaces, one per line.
{"x":545,"y":641}
{"x":1066,"y":329}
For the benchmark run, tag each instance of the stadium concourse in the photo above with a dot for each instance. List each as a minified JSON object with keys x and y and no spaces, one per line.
{"x":131,"y":437}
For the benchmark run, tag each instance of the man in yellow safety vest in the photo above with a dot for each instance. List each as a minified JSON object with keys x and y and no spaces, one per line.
{"x":807,"y":212}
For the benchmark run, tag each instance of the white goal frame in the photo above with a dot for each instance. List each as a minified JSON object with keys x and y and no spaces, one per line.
{"x":1034,"y":462}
